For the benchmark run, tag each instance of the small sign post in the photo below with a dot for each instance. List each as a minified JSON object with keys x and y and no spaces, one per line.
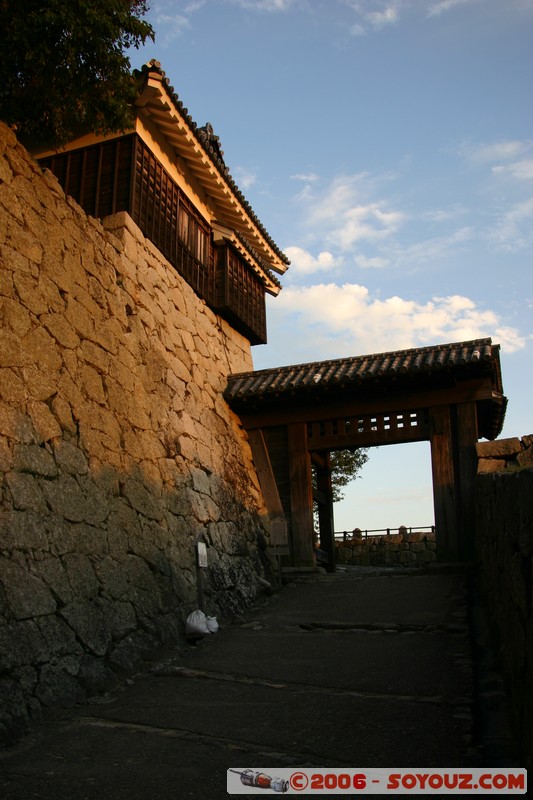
{"x":201,"y":554}
{"x":201,"y":564}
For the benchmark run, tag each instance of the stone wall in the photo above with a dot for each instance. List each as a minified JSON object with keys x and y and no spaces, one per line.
{"x":505,"y":454}
{"x":395,"y":549}
{"x":504,"y":543}
{"x":117,"y":449}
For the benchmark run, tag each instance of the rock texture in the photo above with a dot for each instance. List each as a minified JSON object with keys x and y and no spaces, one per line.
{"x":117,"y":450}
{"x":504,"y":545}
{"x":396,"y":549}
{"x":505,"y":454}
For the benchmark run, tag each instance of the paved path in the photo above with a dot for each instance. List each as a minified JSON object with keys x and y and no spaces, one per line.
{"x":358,"y":669}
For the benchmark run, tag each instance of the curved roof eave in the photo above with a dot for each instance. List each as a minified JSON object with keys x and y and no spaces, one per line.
{"x":315,"y":381}
{"x":198,"y":147}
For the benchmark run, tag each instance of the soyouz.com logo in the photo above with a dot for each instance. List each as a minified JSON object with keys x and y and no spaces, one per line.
{"x":281,"y":780}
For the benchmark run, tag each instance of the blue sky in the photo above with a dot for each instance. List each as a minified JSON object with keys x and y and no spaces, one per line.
{"x":387,"y":146}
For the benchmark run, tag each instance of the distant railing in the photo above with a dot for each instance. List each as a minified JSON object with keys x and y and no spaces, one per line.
{"x":342,"y":536}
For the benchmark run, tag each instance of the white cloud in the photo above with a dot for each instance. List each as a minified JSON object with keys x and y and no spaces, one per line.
{"x":195,"y":5}
{"x":485,"y":153}
{"x":343,"y":214}
{"x":358,"y":30}
{"x":438,"y":8}
{"x":244,"y":177}
{"x":511,"y":167}
{"x":306,"y":177}
{"x":348,"y":320}
{"x":444,"y":214}
{"x":365,"y":223}
{"x":371,"y":263}
{"x":368,"y":17}
{"x":172,"y":25}
{"x":302,"y":262}
{"x":514,"y":230}
{"x":518,"y":170}
{"x":430,"y":250}
{"x":264,"y":5}
{"x":343,"y":192}
{"x":379,"y":19}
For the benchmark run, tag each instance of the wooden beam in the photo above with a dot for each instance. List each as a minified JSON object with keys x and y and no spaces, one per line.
{"x":467,"y":462}
{"x":301,"y":496}
{"x":363,"y":401}
{"x":369,"y":438}
{"x":325,"y":512}
{"x":444,"y":494}
{"x":276,"y":517}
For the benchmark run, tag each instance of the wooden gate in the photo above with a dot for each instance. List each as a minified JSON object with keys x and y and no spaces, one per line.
{"x":450,"y":395}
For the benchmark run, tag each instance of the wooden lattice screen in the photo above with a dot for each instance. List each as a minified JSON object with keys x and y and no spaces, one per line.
{"x":169,"y":220}
{"x":124,"y":175}
{"x":367,"y":429}
{"x":99,"y":177}
{"x":240,"y":295}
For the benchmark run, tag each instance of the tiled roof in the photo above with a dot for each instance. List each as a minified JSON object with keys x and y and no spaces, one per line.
{"x":264,"y":385}
{"x":255,"y":255}
{"x":211,"y":145}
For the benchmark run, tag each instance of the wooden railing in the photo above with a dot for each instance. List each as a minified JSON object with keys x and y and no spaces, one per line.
{"x":342,"y":536}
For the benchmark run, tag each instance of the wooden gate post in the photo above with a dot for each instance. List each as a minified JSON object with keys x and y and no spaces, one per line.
{"x":301,"y":496}
{"x":467,"y":458}
{"x":325,"y":509}
{"x":444,"y":490}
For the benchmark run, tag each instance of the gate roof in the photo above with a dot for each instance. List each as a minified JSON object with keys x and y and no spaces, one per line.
{"x":435,"y":370}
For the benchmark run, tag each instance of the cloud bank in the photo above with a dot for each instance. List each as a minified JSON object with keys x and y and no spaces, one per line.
{"x":347,"y":320}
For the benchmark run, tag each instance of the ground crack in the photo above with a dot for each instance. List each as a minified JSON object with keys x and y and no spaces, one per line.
{"x":171,"y":670}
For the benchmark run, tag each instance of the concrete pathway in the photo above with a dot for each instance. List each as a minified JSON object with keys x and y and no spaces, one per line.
{"x":358,"y":669}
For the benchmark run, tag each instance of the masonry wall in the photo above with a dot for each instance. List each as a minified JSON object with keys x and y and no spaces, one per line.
{"x":116,"y":450}
{"x":504,"y":543}
{"x":396,"y":549}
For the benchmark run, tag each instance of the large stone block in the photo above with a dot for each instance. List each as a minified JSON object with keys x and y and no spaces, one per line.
{"x":58,"y":636}
{"x":525,"y":458}
{"x":25,"y":492}
{"x":23,"y":530}
{"x":488,"y":465}
{"x":81,"y":576}
{"x":12,"y":387}
{"x":34,"y":460}
{"x":142,"y":500}
{"x":498,"y":448}
{"x":57,"y":687}
{"x":65,"y":498}
{"x":44,"y":422}
{"x":26,"y":595}
{"x":22,"y":643}
{"x":120,"y":617}
{"x":70,"y":459}
{"x":54,"y":575}
{"x":41,"y":349}
{"x":89,"y":624}
{"x":16,"y":425}
{"x":14,"y":712}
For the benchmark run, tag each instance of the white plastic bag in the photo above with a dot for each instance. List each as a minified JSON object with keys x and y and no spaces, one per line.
{"x":212,"y":624}
{"x":196,"y":625}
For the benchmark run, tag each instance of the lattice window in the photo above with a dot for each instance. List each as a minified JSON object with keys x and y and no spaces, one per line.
{"x":371,"y":427}
{"x":167,"y":217}
{"x":124,"y":175}
{"x":240,"y":295}
{"x":97,"y":177}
